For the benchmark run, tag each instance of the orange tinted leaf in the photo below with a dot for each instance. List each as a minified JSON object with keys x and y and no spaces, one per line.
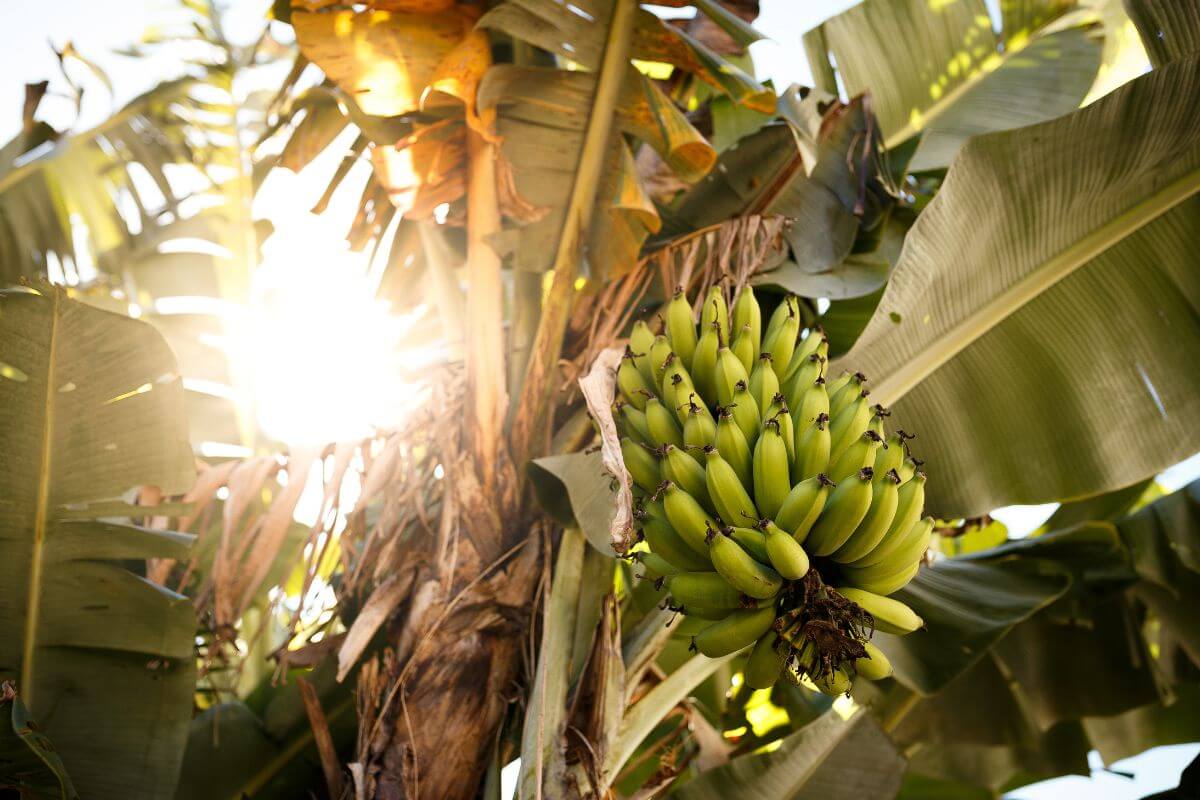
{"x":458,"y":76}
{"x":383,"y":59}
{"x":424,"y":170}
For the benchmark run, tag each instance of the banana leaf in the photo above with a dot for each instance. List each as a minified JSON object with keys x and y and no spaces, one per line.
{"x":831,"y":758}
{"x":263,"y":748}
{"x":1170,"y":29}
{"x":29,"y":763}
{"x":1040,"y":330}
{"x":940,"y":70}
{"x":91,"y":407}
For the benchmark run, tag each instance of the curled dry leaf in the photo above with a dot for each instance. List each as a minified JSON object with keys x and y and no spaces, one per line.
{"x":599,"y":388}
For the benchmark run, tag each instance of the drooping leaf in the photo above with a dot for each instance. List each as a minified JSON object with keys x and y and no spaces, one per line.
{"x":589,"y":497}
{"x":91,"y":407}
{"x":832,"y":758}
{"x":29,"y":763}
{"x":542,"y":115}
{"x":576,"y":32}
{"x":1006,"y":294}
{"x":941,"y":70}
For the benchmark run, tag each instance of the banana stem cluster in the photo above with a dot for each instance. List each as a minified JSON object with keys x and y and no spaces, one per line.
{"x":776,"y":509}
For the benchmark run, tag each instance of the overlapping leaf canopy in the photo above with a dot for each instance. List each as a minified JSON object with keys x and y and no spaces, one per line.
{"x":91,"y":407}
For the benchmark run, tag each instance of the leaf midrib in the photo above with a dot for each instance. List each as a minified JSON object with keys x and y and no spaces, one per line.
{"x":958,"y":338}
{"x":41,"y":511}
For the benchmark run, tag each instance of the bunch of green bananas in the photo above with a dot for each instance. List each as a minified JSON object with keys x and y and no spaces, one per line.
{"x":776,"y":508}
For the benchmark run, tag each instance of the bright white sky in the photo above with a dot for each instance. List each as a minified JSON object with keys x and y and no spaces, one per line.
{"x":97,"y":28}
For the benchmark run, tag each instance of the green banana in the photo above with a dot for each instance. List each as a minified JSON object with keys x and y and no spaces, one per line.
{"x":891,"y":616}
{"x":781,"y":342}
{"x":641,"y":339}
{"x":752,"y":541}
{"x":706,"y":589}
{"x":642,"y":464}
{"x":782,"y":311}
{"x":785,"y":553}
{"x":911,"y":550}
{"x":715,"y":310}
{"x":813,"y":403}
{"x":764,"y":385}
{"x":746,"y":316}
{"x":837,"y":383}
{"x":655,"y":565}
{"x":689,"y":627}
{"x":728,"y":373}
{"x":704,"y":364}
{"x":676,"y":387}
{"x":663,"y":540}
{"x":812,"y":449}
{"x":890,"y":456}
{"x":681,"y":327}
{"x":732,"y":502}
{"x":873,"y":579}
{"x":847,"y":425}
{"x":736,"y":632}
{"x":699,"y":429}
{"x":743,"y":346}
{"x":633,"y":386}
{"x":686,"y":516}
{"x":764,"y":664}
{"x":746,"y":413}
{"x":814,"y":342}
{"x":910,"y":501}
{"x":803,"y":505}
{"x":731,"y":443}
{"x":778,"y":411}
{"x":861,"y":453}
{"x":847,"y":394}
{"x":848,"y":504}
{"x":664,"y":427}
{"x":908,"y":469}
{"x":740,"y":569}
{"x":705,"y":613}
{"x":875,"y":525}
{"x":682,"y":469}
{"x":875,"y":666}
{"x":660,"y":352}
{"x":805,"y":375}
{"x":772,"y":470}
{"x":835,"y":684}
{"x":633,"y":422}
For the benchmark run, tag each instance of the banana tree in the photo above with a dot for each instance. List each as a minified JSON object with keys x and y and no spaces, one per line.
{"x":546,"y":175}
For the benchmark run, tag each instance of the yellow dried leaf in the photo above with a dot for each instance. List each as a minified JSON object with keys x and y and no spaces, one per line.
{"x":424,"y":170}
{"x":458,"y":76}
{"x":384,"y":59}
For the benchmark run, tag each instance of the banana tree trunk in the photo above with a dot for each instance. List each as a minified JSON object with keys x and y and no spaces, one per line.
{"x":447,"y":712}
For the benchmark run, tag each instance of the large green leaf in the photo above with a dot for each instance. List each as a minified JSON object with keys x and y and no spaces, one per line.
{"x":263,"y":748}
{"x":91,"y":407}
{"x":939,"y":69}
{"x":831,"y":758}
{"x":1040,"y":331}
{"x":1169,"y":29}
{"x":972,"y":602}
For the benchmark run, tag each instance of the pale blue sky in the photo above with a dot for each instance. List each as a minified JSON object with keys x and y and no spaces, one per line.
{"x":96,"y":28}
